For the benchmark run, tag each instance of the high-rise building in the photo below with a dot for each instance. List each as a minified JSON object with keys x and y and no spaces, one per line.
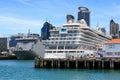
{"x":84,"y":13}
{"x":114,"y":29}
{"x":3,"y":44}
{"x":45,"y":34}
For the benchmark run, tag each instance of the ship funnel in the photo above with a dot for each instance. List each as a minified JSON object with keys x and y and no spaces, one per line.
{"x":70,"y":18}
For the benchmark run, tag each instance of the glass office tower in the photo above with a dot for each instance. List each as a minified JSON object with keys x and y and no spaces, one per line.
{"x":84,"y":13}
{"x":45,"y":34}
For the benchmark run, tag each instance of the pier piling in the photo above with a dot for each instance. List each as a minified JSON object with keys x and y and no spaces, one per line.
{"x":67,"y":63}
{"x":78,"y":64}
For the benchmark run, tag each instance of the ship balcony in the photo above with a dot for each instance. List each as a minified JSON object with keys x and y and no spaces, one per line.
{"x":65,"y":49}
{"x":21,"y":49}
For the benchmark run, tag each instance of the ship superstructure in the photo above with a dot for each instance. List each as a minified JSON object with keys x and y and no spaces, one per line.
{"x":74,"y":40}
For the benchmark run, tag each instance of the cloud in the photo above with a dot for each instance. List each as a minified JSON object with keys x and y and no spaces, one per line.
{"x":13,"y":25}
{"x":26,"y":2}
{"x":19,"y":21}
{"x":118,"y":7}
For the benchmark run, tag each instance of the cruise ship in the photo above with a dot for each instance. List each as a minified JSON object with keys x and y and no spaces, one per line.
{"x":28,"y":47}
{"x":74,"y":40}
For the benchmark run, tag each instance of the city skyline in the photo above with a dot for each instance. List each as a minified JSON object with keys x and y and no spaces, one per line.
{"x":18,"y":16}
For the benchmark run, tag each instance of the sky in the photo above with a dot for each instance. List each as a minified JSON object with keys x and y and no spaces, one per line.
{"x":19,"y":16}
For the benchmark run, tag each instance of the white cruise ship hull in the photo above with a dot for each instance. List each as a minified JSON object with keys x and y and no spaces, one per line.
{"x":74,"y":40}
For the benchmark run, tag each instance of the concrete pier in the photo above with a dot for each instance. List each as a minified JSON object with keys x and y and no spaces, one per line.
{"x":101,"y":63}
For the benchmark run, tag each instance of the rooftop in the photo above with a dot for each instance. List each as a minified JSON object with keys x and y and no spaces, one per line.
{"x":113,"y":41}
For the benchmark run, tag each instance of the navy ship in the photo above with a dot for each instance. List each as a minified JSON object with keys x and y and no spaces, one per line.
{"x":28,"y":47}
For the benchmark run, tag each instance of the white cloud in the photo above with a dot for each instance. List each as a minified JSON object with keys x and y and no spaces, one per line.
{"x":26,"y":2}
{"x":13,"y":25}
{"x":1,"y":35}
{"x":19,"y":21}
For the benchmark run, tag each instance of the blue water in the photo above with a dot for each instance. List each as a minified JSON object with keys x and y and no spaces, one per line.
{"x":24,"y":70}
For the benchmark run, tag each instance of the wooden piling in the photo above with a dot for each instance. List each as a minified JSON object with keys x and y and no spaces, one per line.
{"x":67,"y":63}
{"x":111,"y":64}
{"x":99,"y":64}
{"x":58,"y":63}
{"x":41,"y":63}
{"x":102,"y":64}
{"x":86,"y":64}
{"x":37,"y":62}
{"x":76,"y":63}
{"x":52,"y":63}
{"x":93,"y":61}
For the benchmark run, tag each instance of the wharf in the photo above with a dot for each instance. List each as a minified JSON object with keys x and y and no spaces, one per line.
{"x":7,"y":57}
{"x":91,"y":63}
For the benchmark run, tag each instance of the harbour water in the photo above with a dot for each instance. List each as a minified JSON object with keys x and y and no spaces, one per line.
{"x":24,"y":70}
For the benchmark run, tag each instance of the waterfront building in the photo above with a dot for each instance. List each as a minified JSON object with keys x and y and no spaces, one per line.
{"x":74,"y":40}
{"x":45,"y":34}
{"x":84,"y":13}
{"x":3,"y":44}
{"x":114,"y":29}
{"x":112,"y":48}
{"x":119,"y":34}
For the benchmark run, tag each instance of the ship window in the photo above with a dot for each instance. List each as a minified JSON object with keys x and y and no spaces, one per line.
{"x":49,"y":51}
{"x":109,"y":53}
{"x":69,"y":31}
{"x":63,"y":35}
{"x":68,"y":47}
{"x":118,"y":53}
{"x":60,"y":47}
{"x":47,"y":47}
{"x":70,"y":34}
{"x":25,"y":42}
{"x":72,"y":51}
{"x":66,"y":51}
{"x":81,"y":51}
{"x":64,"y":38}
{"x":111,"y":46}
{"x":52,"y":47}
{"x":74,"y":38}
{"x":69,"y":38}
{"x":54,"y":51}
{"x":60,"y":51}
